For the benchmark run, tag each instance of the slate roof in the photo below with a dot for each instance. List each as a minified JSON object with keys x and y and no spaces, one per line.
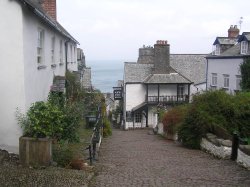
{"x":225,"y":41}
{"x":166,"y":78}
{"x":190,"y":68}
{"x":37,"y":9}
{"x":135,"y":73}
{"x":244,"y":36}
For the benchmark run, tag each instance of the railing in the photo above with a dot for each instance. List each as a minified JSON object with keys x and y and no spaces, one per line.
{"x":95,"y":139}
{"x":168,"y":99}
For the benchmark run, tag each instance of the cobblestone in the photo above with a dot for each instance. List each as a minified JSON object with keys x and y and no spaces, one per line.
{"x":135,"y":158}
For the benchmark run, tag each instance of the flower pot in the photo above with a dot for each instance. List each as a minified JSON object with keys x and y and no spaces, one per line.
{"x":35,"y":151}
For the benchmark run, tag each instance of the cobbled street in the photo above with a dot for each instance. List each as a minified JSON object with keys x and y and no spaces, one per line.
{"x":135,"y":158}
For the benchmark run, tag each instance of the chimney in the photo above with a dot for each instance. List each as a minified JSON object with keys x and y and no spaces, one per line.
{"x":162,"y":58}
{"x":233,"y":31}
{"x":49,"y":7}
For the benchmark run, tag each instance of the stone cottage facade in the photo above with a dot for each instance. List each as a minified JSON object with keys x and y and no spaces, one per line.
{"x":34,"y":50}
{"x":159,"y":79}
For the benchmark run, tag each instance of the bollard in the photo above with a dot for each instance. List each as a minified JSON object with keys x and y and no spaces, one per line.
{"x":235,"y":145}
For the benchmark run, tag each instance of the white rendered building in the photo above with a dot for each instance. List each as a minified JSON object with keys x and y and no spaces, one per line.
{"x":34,"y":49}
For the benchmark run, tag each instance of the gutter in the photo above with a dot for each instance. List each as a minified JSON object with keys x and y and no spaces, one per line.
{"x":45,"y":18}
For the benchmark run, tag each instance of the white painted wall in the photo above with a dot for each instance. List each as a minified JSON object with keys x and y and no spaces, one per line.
{"x":11,"y":73}
{"x":224,"y":66}
{"x":152,"y":117}
{"x":72,"y":56}
{"x":39,"y":81}
{"x":135,"y":95}
{"x":20,"y":80}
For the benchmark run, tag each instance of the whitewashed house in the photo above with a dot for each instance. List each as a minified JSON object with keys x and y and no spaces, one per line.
{"x":34,"y":50}
{"x":159,"y":79}
{"x":223,"y":65}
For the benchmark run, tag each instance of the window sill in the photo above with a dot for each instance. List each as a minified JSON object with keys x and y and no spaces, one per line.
{"x":225,"y":88}
{"x":213,"y":86}
{"x":41,"y":67}
{"x":53,"y":65}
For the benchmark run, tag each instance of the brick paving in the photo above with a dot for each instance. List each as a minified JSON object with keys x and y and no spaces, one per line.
{"x":135,"y":158}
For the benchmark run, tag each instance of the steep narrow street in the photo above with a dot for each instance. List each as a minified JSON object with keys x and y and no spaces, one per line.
{"x":135,"y":158}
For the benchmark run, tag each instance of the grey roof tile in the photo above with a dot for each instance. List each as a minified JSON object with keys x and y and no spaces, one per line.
{"x":166,"y":78}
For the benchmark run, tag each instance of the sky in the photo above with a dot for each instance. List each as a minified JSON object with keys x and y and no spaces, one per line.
{"x":116,"y":29}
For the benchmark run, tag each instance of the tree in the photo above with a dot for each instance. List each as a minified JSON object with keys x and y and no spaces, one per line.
{"x":245,"y":73}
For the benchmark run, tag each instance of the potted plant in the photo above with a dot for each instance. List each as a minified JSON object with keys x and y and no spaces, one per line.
{"x":42,"y":123}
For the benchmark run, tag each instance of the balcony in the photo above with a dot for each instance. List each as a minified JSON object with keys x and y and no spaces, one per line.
{"x":169,"y":99}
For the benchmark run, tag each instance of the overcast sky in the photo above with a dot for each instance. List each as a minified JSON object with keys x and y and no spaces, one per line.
{"x":115,"y":29}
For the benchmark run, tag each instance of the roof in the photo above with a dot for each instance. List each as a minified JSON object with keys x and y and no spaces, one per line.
{"x":191,"y":67}
{"x":225,"y":41}
{"x":245,"y":36}
{"x":166,"y":78}
{"x":37,"y":9}
{"x":134,"y":73}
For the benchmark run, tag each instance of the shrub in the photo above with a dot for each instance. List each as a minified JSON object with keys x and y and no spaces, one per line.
{"x":173,"y":118}
{"x":208,"y":110}
{"x":242,"y":114}
{"x":42,"y":120}
{"x":62,"y":154}
{"x":107,"y":130}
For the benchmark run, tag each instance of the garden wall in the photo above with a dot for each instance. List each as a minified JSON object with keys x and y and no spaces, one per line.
{"x":222,"y":149}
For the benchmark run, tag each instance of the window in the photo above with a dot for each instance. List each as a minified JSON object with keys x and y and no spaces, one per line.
{"x":71,"y":54}
{"x":217,"y":49}
{"x":138,"y":117}
{"x":238,"y":82}
{"x":40,"y":46}
{"x":180,"y":90}
{"x":74,"y":54}
{"x":53,"y":50}
{"x":226,"y":81}
{"x":61,"y":51}
{"x":128,"y":116}
{"x":214,"y":79}
{"x":244,"y":46}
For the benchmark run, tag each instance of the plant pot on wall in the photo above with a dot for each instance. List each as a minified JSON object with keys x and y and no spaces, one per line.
{"x":35,"y":151}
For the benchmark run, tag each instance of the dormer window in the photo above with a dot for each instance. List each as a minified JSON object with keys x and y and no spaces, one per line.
{"x":217,"y":49}
{"x":244,"y":47}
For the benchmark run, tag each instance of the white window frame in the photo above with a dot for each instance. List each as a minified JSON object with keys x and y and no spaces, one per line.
{"x":238,"y":82}
{"x":214,"y":79}
{"x":243,"y":47}
{"x":61,"y":52}
{"x":226,"y":81}
{"x":71,"y":53}
{"x":217,"y":49}
{"x":53,"y":41}
{"x":40,"y":46}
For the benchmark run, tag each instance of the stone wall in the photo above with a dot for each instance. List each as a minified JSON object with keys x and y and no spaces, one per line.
{"x":222,"y":149}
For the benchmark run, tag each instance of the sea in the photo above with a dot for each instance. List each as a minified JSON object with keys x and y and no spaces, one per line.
{"x":105,"y":73}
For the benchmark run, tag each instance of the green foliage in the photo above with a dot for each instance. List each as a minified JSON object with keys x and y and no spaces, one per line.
{"x":42,"y":120}
{"x":242,"y":113}
{"x":245,"y":73}
{"x":62,"y":154}
{"x":208,"y":110}
{"x":107,"y":130}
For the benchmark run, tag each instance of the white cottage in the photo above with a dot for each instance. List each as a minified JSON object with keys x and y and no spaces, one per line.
{"x":34,"y":49}
{"x":159,"y":78}
{"x":223,"y":65}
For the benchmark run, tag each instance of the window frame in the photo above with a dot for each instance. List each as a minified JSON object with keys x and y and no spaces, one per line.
{"x":214,"y":79}
{"x":217,"y":49}
{"x":61,"y":51}
{"x":40,"y":46}
{"x":243,"y":47}
{"x":138,"y":117}
{"x":238,"y":82}
{"x":226,"y":82}
{"x":53,"y":41}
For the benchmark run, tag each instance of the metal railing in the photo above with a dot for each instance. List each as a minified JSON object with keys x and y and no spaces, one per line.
{"x":168,"y":99}
{"x":95,"y":139}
